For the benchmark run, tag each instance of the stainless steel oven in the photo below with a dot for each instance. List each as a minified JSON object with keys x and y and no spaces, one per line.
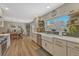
{"x":3,"y":45}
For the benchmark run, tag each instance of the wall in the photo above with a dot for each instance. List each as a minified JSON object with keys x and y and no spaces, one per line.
{"x":7,"y":26}
{"x":17,"y":24}
{"x":65,"y":9}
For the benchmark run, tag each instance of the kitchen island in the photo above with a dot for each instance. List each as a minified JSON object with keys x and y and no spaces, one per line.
{"x":4,"y":43}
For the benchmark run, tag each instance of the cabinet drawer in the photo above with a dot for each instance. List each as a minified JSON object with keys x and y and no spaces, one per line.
{"x":48,"y":46}
{"x":60,"y":42}
{"x":73,"y":45}
{"x":47,"y":39}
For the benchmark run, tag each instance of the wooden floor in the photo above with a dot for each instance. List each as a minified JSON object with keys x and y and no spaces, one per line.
{"x":25,"y":47}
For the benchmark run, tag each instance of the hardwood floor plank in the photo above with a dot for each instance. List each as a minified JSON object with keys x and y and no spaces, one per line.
{"x":25,"y":47}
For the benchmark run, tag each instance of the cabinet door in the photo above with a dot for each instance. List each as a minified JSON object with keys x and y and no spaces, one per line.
{"x":1,"y":13}
{"x":59,"y":47}
{"x":50,"y":47}
{"x":73,"y":52}
{"x":73,"y":49}
{"x":44,"y":44}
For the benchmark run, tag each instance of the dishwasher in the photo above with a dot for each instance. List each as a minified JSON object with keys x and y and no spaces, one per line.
{"x":39,"y":40}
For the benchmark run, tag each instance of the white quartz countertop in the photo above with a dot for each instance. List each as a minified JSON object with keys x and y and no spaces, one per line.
{"x":7,"y":35}
{"x":4,"y":34}
{"x":67,"y":38}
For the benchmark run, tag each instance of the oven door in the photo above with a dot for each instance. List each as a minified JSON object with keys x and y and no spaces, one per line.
{"x":3,"y":46}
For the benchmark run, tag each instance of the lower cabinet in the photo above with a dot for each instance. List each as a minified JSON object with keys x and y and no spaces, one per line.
{"x":73,"y":52}
{"x":73,"y":49}
{"x":59,"y":47}
{"x":44,"y":44}
{"x":48,"y":46}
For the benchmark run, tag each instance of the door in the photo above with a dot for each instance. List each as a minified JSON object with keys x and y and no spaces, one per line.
{"x":28,"y":29}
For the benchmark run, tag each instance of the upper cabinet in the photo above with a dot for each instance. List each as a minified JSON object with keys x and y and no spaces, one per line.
{"x":1,"y":23}
{"x":39,"y":24}
{"x":1,"y":12}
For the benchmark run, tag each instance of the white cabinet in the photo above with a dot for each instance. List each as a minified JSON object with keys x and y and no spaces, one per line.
{"x":73,"y":52}
{"x":1,"y":13}
{"x":59,"y":47}
{"x":1,"y":22}
{"x":44,"y":44}
{"x":73,"y":49}
{"x":48,"y":45}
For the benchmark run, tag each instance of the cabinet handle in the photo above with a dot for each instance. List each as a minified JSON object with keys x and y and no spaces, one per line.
{"x":59,"y":45}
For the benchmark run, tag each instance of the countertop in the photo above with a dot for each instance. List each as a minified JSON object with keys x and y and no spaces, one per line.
{"x":67,"y":38}
{"x":7,"y":35}
{"x":3,"y":36}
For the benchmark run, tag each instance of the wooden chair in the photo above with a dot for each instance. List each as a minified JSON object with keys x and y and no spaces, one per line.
{"x":14,"y":36}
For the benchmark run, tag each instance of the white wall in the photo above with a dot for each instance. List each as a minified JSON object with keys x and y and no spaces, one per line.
{"x":1,"y":12}
{"x":7,"y":26}
{"x":23,"y":25}
{"x":62,"y":10}
{"x":65,"y":9}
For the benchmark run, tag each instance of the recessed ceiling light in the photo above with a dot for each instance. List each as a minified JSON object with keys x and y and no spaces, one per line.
{"x":6,"y":8}
{"x":48,"y":7}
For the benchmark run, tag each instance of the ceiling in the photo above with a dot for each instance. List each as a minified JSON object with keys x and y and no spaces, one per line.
{"x":27,"y":11}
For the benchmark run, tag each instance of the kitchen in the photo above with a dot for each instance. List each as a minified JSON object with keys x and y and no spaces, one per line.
{"x":55,"y":31}
{"x":10,"y":31}
{"x":53,"y":37}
